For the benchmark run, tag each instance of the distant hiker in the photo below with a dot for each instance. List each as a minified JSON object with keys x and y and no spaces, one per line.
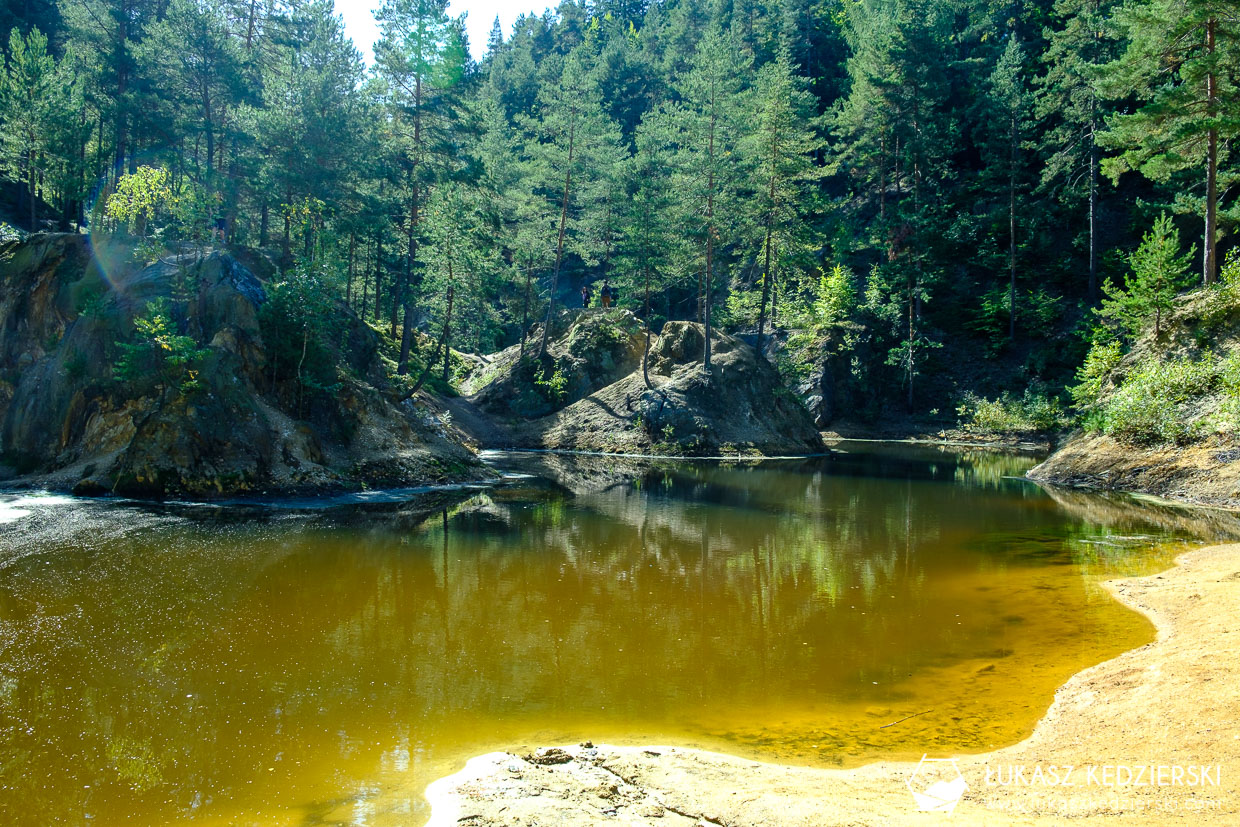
{"x":606,"y":295}
{"x":585,"y":295}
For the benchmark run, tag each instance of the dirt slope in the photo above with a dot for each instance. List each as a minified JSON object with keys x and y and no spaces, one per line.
{"x":1202,"y":468}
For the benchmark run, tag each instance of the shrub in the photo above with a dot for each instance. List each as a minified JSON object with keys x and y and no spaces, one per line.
{"x":158,"y":358}
{"x":1152,"y":404}
{"x":299,"y":327}
{"x":1103,"y":357}
{"x":1031,"y":413}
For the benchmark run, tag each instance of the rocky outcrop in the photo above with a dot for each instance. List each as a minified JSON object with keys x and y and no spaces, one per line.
{"x":67,"y":420}
{"x":738,"y":407}
{"x":596,"y":348}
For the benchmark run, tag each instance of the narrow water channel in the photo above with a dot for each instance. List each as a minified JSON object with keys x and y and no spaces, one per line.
{"x":256,"y":662}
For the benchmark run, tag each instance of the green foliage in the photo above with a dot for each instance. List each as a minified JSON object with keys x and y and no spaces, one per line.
{"x":834,"y":298}
{"x":680,"y":146}
{"x":1031,"y":412}
{"x":990,"y":318}
{"x":300,"y":327}
{"x":553,"y":387}
{"x":1103,"y":357}
{"x":1158,"y":273}
{"x":739,"y":310}
{"x":138,"y":196}
{"x":158,"y":358}
{"x":1157,"y":401}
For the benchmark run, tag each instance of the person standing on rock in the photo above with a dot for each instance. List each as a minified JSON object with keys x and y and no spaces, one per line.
{"x":605,"y":296}
{"x":585,"y":295}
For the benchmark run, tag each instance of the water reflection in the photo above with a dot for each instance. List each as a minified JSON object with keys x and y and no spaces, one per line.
{"x":252,"y":664}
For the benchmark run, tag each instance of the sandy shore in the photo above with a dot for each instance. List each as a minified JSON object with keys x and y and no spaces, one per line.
{"x":1114,"y":743}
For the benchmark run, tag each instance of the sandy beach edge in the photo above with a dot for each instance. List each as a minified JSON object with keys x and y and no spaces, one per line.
{"x":1149,"y":737}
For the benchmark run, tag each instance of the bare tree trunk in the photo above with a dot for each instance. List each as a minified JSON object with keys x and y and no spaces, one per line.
{"x":559,"y":244}
{"x":646,"y":351}
{"x":34,"y":208}
{"x":406,"y":335}
{"x":710,"y":237}
{"x":348,"y":289}
{"x":1093,"y":207}
{"x":525,"y":310}
{"x":770,"y":219}
{"x":1210,"y":253}
{"x":443,"y":340}
{"x":1012,"y":229}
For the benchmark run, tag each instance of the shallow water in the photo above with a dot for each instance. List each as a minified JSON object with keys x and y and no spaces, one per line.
{"x":245,"y":663}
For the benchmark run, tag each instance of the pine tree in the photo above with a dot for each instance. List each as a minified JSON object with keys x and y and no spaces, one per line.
{"x":782,"y":148}
{"x":1007,"y":120}
{"x":708,"y":126}
{"x":1158,"y":273}
{"x":648,"y":238}
{"x":28,"y":104}
{"x":1069,"y":100}
{"x":577,"y":145}
{"x":1181,"y":63}
{"x":416,"y":55}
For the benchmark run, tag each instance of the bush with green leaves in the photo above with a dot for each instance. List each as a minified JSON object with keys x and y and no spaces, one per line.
{"x":552,"y":384}
{"x":158,"y":358}
{"x":1036,"y":310}
{"x":1103,"y":357}
{"x":739,"y":310}
{"x":1152,"y":404}
{"x":138,"y":197}
{"x":1032,"y":412}
{"x":299,"y":326}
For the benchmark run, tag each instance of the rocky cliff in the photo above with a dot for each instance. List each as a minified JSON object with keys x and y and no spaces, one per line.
{"x":219,"y":412}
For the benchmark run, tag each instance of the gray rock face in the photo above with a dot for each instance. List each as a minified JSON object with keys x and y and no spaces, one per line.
{"x":739,"y":407}
{"x":66,"y":421}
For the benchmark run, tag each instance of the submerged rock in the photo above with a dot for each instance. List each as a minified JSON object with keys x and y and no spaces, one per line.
{"x":66,"y":420}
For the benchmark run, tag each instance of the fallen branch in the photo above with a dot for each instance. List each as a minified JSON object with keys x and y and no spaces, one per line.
{"x":905,"y":718}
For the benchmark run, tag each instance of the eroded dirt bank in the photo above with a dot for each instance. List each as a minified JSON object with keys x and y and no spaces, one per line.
{"x":1172,"y":703}
{"x":1205,"y":474}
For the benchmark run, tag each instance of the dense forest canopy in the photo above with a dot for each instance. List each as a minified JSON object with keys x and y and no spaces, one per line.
{"x":909,"y":183}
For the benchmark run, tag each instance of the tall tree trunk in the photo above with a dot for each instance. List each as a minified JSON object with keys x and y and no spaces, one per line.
{"x":646,"y":350}
{"x":1093,"y":204}
{"x":770,"y":220}
{"x":365,"y":295}
{"x":910,"y":362}
{"x":30,"y":186}
{"x":443,"y":339}
{"x":1012,"y":229}
{"x":1210,"y":261}
{"x":378,"y":273}
{"x":710,"y":237}
{"x":348,"y":288}
{"x":559,"y":244}
{"x":406,"y":336}
{"x":525,"y":310}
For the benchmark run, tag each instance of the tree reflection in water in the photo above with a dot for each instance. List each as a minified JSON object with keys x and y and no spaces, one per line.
{"x":264,"y":664}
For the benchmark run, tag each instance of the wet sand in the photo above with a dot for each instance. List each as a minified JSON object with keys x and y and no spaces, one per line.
{"x":1149,"y":737}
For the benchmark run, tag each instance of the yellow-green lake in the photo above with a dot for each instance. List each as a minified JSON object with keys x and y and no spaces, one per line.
{"x":297,"y":662}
